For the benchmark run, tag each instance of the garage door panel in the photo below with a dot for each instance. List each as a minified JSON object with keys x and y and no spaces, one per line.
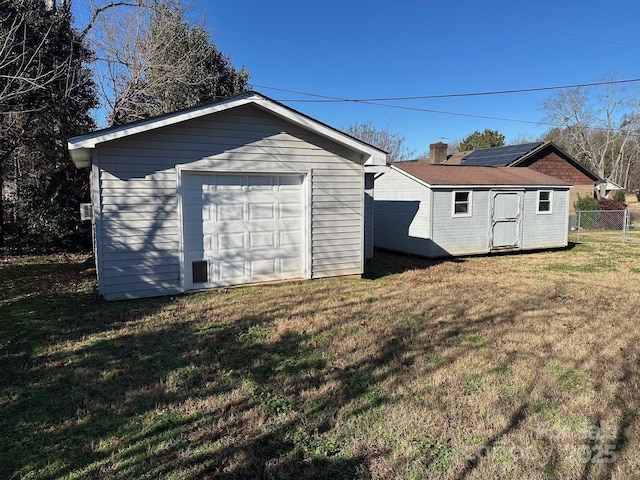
{"x":261,"y":211}
{"x":289,"y":237}
{"x":258,"y":183}
{"x":247,"y":228}
{"x":264,"y":267}
{"x":229,"y":212}
{"x":289,"y":265}
{"x":231,"y":270}
{"x":229,"y":241}
{"x":262,"y":240}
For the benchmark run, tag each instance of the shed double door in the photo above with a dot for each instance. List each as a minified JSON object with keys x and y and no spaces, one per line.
{"x":242,"y":228}
{"x":506,"y":220}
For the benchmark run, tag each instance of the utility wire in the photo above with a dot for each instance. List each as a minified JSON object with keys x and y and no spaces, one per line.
{"x":329,"y":99}
{"x":527,"y":25}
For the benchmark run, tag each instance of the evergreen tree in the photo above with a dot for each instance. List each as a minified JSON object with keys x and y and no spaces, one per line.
{"x":51,"y":94}
{"x":479,"y":140}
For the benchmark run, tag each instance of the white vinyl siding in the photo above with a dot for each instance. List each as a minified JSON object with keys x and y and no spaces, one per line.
{"x":459,"y":234}
{"x":546,"y":231}
{"x":402,"y":214}
{"x":414,"y":218}
{"x":368,"y":214}
{"x":139,"y":240}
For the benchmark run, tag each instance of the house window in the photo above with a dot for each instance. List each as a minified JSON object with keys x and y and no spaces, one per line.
{"x":461,"y":204}
{"x":200,"y":272}
{"x":544,"y":201}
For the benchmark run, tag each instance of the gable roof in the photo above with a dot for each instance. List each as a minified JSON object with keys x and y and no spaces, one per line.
{"x":460,"y":175}
{"x":81,"y":147}
{"x":514,"y":155}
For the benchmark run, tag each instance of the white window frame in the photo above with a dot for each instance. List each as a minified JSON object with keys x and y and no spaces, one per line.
{"x":549,"y":200}
{"x":469,"y":202}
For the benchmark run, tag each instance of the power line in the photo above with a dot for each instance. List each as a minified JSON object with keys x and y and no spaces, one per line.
{"x":377,"y":102}
{"x":460,"y":114}
{"x":329,"y":99}
{"x":527,"y":25}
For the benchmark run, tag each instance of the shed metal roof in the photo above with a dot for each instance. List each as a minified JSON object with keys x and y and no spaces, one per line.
{"x":461,"y":175}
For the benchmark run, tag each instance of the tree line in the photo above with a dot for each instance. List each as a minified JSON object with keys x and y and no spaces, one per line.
{"x":133,"y":60}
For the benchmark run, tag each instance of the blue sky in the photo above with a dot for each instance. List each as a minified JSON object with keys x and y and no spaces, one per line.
{"x":371,"y":49}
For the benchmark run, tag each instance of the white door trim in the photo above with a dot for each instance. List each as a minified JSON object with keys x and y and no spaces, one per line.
{"x":306,"y":187}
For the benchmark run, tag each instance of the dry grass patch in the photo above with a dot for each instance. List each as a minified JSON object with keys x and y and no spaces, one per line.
{"x":515,"y":366}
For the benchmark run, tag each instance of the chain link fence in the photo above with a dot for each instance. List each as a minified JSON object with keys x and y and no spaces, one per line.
{"x":607,"y":225}
{"x":632,"y":226}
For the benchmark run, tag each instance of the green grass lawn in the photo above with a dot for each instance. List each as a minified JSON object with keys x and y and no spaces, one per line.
{"x":509,"y":366}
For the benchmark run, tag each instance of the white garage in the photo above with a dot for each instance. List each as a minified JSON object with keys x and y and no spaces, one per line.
{"x":242,"y":228}
{"x":239,"y":191}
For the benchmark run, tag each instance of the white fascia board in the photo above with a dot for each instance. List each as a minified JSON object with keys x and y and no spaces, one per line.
{"x":80,"y":147}
{"x":376,"y":168}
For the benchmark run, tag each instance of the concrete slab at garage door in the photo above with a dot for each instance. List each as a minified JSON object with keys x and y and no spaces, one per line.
{"x":242,"y":228}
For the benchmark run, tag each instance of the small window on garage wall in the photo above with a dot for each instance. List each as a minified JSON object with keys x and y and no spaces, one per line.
{"x":544,"y":201}
{"x":461,"y":203}
{"x":200,"y":271}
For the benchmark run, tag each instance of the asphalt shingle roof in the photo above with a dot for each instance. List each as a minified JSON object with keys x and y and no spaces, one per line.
{"x":460,"y":175}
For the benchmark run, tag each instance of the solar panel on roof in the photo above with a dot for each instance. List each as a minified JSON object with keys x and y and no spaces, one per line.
{"x":498,"y":156}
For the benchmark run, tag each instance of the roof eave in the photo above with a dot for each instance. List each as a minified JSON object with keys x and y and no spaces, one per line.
{"x":80,"y":147}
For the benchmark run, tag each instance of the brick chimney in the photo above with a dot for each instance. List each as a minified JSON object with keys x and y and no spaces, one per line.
{"x":438,"y":152}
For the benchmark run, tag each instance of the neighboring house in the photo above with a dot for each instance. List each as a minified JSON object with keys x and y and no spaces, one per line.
{"x":238,"y":191}
{"x":543,"y":157}
{"x":442,"y":210}
{"x":611,"y":188}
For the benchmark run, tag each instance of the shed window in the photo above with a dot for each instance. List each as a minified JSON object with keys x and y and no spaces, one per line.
{"x":200,"y":272}
{"x":462,"y":204}
{"x":544,"y":201}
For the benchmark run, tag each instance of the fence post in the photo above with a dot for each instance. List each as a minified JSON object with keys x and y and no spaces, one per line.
{"x":578,"y":225}
{"x":625,"y":224}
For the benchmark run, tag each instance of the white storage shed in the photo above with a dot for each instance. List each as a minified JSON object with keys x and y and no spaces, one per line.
{"x":443,"y":210}
{"x":238,"y":191}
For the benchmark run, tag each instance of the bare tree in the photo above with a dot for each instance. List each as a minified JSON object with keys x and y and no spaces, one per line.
{"x":23,"y":68}
{"x":151,"y":60}
{"x":385,"y":139}
{"x":599,"y":127}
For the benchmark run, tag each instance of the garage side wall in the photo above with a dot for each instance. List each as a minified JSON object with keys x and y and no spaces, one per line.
{"x":138,"y":231}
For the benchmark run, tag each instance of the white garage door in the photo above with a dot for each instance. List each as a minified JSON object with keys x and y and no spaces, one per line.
{"x":242,"y":229}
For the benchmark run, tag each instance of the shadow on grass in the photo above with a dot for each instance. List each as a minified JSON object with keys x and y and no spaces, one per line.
{"x":214,"y":385}
{"x":386,"y":262}
{"x":100,"y":390}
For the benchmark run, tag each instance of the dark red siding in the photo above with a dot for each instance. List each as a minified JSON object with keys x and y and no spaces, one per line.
{"x":554,"y":165}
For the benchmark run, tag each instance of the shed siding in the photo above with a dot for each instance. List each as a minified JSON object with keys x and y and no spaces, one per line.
{"x":460,"y":235}
{"x":545,"y":230}
{"x":139,"y":220}
{"x":368,"y":215}
{"x":414,"y":218}
{"x":401,"y":214}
